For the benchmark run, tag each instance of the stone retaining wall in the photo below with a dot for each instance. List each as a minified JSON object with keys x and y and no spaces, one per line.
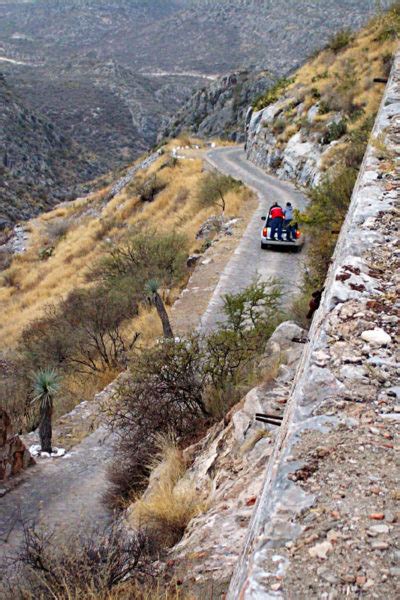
{"x":312,"y":532}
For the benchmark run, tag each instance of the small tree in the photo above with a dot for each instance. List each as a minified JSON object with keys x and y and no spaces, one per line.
{"x":46,"y":384}
{"x":152,"y":287}
{"x":213,"y":188}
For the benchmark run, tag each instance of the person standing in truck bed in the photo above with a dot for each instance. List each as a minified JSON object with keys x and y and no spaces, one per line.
{"x":276,"y":216}
{"x":288,"y":214}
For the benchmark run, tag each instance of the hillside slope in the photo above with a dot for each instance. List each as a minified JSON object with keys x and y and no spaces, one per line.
{"x":321,"y":117}
{"x":64,"y":251}
{"x":39,"y":165}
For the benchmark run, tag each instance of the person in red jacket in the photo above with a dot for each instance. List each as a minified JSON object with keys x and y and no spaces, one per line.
{"x":276,"y":216}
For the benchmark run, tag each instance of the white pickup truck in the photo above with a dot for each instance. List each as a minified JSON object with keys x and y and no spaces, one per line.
{"x":266,"y":241}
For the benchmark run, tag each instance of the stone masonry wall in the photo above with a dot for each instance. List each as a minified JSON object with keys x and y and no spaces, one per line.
{"x":325,"y":522}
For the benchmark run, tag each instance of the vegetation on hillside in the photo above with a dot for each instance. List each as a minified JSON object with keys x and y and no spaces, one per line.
{"x":355,"y":95}
{"x":180,"y":387}
{"x":78,"y":299}
{"x":176,"y":387}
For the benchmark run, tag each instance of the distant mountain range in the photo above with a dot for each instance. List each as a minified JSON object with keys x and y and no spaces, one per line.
{"x":110,"y":74}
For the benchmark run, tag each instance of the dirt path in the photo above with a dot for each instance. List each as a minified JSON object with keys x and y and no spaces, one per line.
{"x":65,"y":494}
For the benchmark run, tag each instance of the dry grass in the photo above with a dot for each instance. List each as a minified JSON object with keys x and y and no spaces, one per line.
{"x":249,"y":444}
{"x":30,"y":283}
{"x":171,"y":499}
{"x":126,"y":591}
{"x":343,"y":81}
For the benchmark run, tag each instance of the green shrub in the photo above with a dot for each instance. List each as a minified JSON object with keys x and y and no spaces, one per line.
{"x":324,"y":108}
{"x":315,"y":93}
{"x":335,"y":131}
{"x":340,"y":40}
{"x":389,"y":23}
{"x":272,"y":94}
{"x":46,"y":252}
{"x":213,"y":188}
{"x":358,"y":141}
{"x":323,"y":218}
{"x":180,"y":386}
{"x":146,"y":255}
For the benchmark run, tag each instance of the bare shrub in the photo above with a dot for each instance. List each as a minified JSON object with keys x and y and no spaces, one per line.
{"x":83,"y":333}
{"x":56,"y":230}
{"x":163,"y":396}
{"x":148,"y":189}
{"x":214,"y":187}
{"x":94,"y":567}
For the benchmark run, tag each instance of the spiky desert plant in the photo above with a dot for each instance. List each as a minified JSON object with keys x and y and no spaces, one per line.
{"x":46,"y":385}
{"x":152,"y":288}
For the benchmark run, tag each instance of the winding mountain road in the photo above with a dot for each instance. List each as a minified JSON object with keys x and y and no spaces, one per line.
{"x":65,"y":495}
{"x":248,"y":260}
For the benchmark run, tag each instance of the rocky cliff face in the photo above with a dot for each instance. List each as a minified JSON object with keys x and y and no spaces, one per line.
{"x":218,"y":110}
{"x":301,"y":157}
{"x":39,"y":165}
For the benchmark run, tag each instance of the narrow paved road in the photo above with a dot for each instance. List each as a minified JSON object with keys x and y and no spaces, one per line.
{"x":248,"y":260}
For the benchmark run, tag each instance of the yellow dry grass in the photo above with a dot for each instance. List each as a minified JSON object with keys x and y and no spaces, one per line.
{"x":30,"y":283}
{"x":365,"y":56}
{"x":171,"y":499}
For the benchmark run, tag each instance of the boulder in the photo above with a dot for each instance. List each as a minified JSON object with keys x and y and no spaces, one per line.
{"x":14,"y":456}
{"x":376,"y":337}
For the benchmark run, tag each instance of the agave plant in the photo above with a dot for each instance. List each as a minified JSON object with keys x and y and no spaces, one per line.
{"x":45,"y":385}
{"x":152,"y":287}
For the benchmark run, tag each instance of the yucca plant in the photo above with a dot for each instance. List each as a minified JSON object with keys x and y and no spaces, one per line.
{"x":152,"y":287}
{"x":45,"y":385}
